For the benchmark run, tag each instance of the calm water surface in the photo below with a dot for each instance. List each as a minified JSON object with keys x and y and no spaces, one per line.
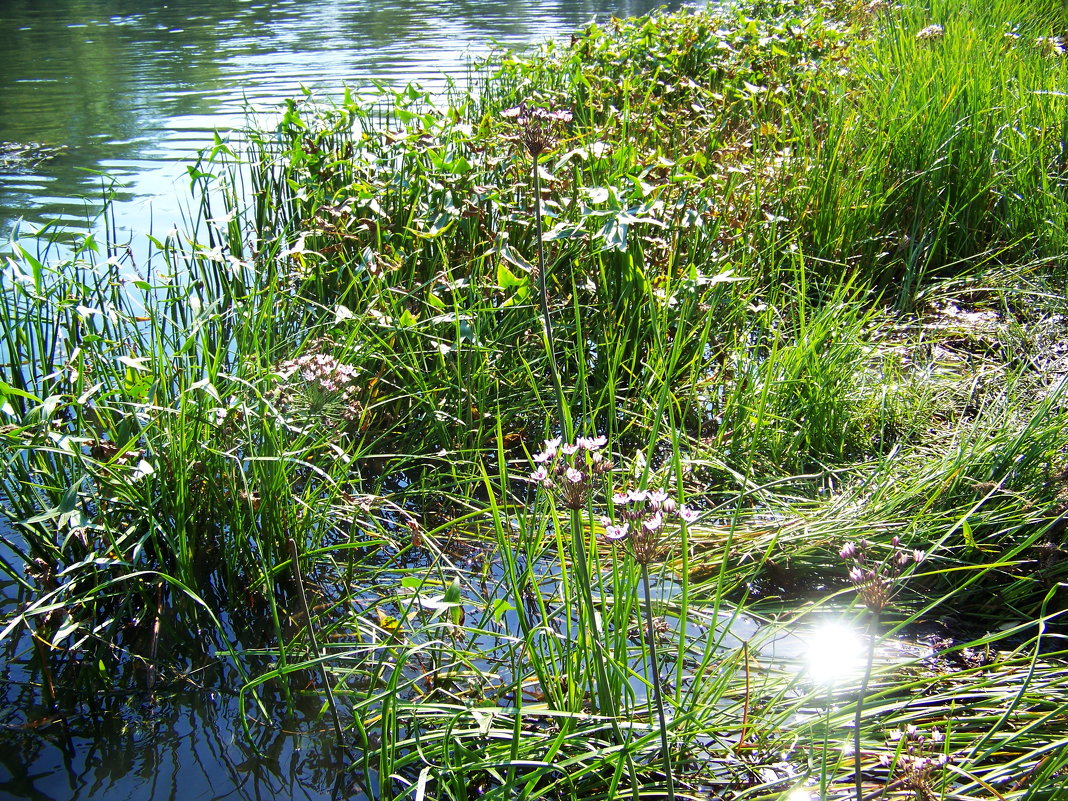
{"x":132,"y":89}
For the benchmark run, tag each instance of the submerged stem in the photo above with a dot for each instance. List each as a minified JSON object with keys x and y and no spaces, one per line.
{"x":655,"y":673}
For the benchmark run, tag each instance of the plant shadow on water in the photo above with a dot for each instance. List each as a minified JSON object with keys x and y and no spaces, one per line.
{"x":184,"y":738}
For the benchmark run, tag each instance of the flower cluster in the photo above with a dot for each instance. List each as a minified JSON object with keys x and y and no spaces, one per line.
{"x":569,"y":469}
{"x":1050,"y":45}
{"x":537,"y":127}
{"x":874,"y":580}
{"x":917,"y":763}
{"x":642,"y":514}
{"x":319,"y":386}
{"x":930,"y":33}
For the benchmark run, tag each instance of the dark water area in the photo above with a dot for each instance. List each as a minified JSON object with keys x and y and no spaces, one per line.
{"x":130,"y":90}
{"x":177,"y":744}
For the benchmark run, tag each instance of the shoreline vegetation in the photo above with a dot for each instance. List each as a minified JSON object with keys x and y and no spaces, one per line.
{"x":478,"y":426}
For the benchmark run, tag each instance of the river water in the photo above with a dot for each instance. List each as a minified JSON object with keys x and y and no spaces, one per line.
{"x":132,"y":89}
{"x":128,"y":91}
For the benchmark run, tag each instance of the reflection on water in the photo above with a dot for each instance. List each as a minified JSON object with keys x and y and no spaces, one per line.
{"x":834,"y":652}
{"x":188,"y":746}
{"x":135,"y":87}
{"x":181,"y":742}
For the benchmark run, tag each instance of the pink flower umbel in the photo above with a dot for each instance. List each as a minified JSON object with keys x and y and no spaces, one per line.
{"x":644,"y":514}
{"x":538,"y":128}
{"x":875,"y":580}
{"x":316,"y":388}
{"x":569,"y":469}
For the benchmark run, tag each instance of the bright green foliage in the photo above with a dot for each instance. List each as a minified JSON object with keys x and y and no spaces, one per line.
{"x":805,"y":269}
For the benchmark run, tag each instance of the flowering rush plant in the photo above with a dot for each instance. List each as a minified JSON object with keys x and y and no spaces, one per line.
{"x":318,"y":388}
{"x":643,"y":514}
{"x":571,"y":471}
{"x":874,"y":580}
{"x":537,"y":128}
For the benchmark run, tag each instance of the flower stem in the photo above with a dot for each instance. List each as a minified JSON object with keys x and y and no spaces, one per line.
{"x":547,"y":326}
{"x":826,"y":742}
{"x":873,"y":626}
{"x":655,"y":673}
{"x":594,"y":645}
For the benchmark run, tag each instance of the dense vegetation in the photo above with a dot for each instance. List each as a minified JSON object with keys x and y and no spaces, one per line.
{"x":803,"y":271}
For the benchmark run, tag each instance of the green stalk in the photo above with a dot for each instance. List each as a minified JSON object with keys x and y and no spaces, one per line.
{"x":873,"y":625}
{"x":657,"y":695}
{"x":594,"y":646}
{"x":826,"y":742}
{"x":295,"y":556}
{"x":547,"y":325}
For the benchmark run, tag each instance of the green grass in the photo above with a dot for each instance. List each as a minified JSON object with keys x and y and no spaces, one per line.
{"x":804,"y":272}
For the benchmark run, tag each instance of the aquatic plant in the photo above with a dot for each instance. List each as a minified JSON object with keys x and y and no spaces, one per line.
{"x":875,"y":585}
{"x":643,"y":515}
{"x":317,"y":388}
{"x":537,"y":130}
{"x":918,"y":760}
{"x":801,"y":268}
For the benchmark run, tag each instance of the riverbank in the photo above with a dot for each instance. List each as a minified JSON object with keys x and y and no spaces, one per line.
{"x":786,"y":330}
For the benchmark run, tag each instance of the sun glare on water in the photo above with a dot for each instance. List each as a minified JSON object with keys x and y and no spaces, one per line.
{"x":834,"y":652}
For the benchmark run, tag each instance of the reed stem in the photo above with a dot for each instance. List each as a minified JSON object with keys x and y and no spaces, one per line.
{"x":331,"y":702}
{"x":654,"y":672}
{"x":873,"y":626}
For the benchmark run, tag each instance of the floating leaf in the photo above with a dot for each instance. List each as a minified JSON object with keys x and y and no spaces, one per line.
{"x":388,"y":622}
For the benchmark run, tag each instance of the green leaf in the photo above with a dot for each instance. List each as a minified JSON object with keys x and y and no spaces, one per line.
{"x":67,"y":504}
{"x":564,"y":231}
{"x":434,"y":301}
{"x":439,"y":225}
{"x":136,"y":363}
{"x":614,"y":235}
{"x":499,"y":608}
{"x":454,"y":599}
{"x":506,"y":279}
{"x":7,"y":389}
{"x":514,"y":257}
